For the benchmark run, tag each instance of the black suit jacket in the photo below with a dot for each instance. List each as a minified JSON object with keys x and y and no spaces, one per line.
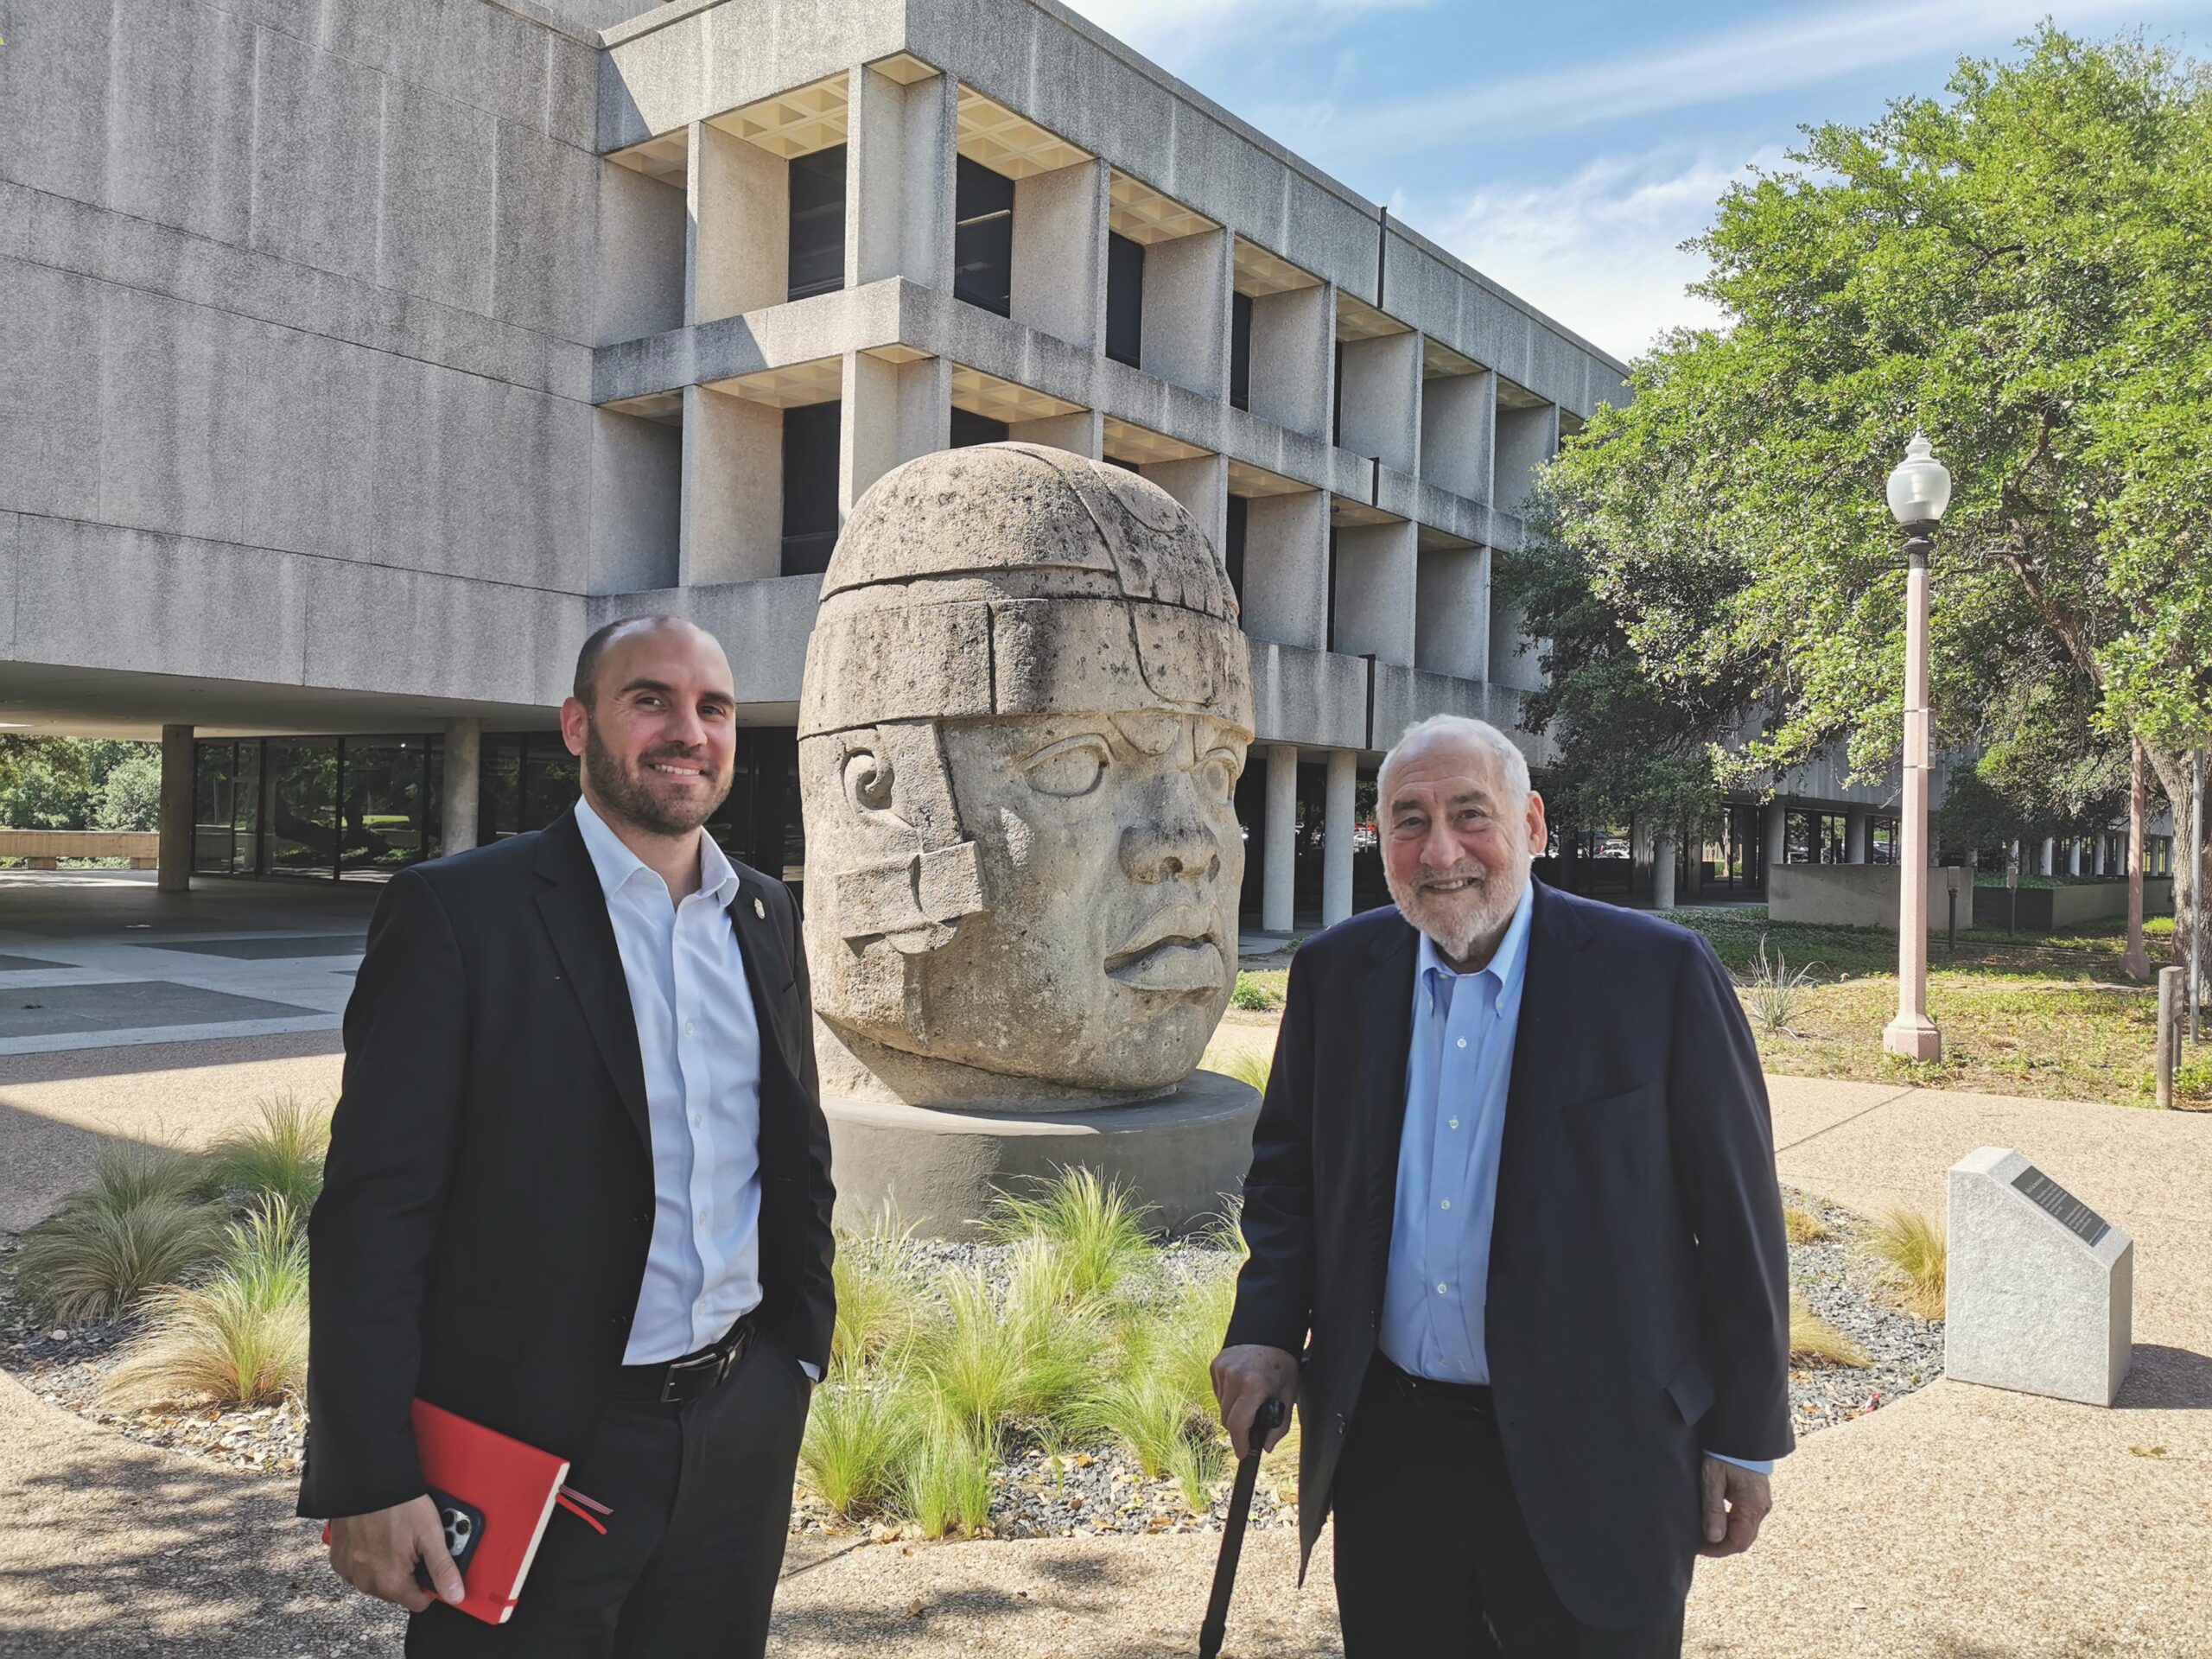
{"x":488,"y":1200}
{"x":1638,"y":1292}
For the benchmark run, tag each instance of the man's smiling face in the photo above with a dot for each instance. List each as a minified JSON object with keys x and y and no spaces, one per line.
{"x":659,"y":739}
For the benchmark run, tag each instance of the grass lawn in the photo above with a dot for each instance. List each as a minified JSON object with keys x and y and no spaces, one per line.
{"x":2049,"y":1015}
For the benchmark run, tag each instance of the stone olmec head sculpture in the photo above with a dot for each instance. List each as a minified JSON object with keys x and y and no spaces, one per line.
{"x":1025,"y":706}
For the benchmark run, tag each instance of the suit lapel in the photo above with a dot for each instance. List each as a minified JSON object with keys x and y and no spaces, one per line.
{"x":1547,"y":1013}
{"x":574,"y":907}
{"x":1383,"y":1027}
{"x":767,"y":971}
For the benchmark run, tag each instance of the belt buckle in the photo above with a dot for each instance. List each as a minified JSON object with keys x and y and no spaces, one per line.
{"x":687,"y":1368}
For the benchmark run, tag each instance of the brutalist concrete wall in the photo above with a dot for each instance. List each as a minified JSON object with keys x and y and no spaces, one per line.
{"x":295,"y":362}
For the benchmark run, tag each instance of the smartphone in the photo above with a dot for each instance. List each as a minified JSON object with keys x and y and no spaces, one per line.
{"x":464,"y":1525}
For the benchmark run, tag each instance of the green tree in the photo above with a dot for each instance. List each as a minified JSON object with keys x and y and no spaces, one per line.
{"x":2021,"y":269}
{"x":131,"y":792}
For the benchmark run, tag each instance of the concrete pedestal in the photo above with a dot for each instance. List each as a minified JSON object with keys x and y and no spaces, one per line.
{"x":1184,"y":1153}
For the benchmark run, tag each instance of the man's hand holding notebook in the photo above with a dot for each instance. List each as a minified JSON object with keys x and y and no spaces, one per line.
{"x":378,"y":1552}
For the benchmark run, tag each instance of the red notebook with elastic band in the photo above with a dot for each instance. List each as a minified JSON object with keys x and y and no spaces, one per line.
{"x":512,"y":1486}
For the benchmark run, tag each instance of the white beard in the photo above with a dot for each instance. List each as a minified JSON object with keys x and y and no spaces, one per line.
{"x":1454,"y":921}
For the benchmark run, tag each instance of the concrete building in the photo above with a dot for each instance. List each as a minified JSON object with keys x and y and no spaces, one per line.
{"x":359,"y":359}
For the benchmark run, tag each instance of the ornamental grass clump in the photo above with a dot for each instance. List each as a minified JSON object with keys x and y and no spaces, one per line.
{"x":946,"y":1480}
{"x":138,"y":1225}
{"x":881,"y":1306}
{"x":1913,"y":1250}
{"x":279,"y":1157}
{"x":1801,"y":1226}
{"x":860,"y":1435}
{"x":1249,"y":1066}
{"x":1772,"y":993}
{"x":1017,"y":1357}
{"x":237,"y":1337}
{"x":1093,"y":1227}
{"x":1817,"y":1345}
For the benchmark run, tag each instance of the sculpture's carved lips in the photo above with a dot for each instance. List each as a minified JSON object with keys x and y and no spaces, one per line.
{"x":1169,"y":959}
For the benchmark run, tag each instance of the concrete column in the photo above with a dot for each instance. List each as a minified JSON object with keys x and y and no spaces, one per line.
{"x":1293,"y":357}
{"x":458,"y":775}
{"x":2073,"y":855}
{"x":1527,"y":438}
{"x":732,"y":522}
{"x":642,"y":228}
{"x":1277,"y":892}
{"x":1854,"y":834}
{"x":898,"y":179}
{"x":893,"y":412}
{"x":1662,"y":870}
{"x":1286,"y":569}
{"x":1379,"y":403}
{"x":1339,"y":828}
{"x":1187,"y":283}
{"x":2047,"y":864}
{"x":1776,"y":834}
{"x":1377,"y":568}
{"x":1451,"y":612}
{"x":1081,"y":432}
{"x":1458,"y":413}
{"x":738,"y":251}
{"x":2102,"y":839}
{"x":179,"y":791}
{"x":1059,"y":252}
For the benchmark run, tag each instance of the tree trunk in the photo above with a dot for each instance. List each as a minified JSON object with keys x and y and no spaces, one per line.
{"x":2135,"y":963}
{"x":2190,"y":882}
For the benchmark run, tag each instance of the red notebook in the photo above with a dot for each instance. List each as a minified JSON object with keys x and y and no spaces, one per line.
{"x":512,"y":1486}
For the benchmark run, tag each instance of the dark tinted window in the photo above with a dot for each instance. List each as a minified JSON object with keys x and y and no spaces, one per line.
{"x":969,"y":428}
{"x":810,"y":488}
{"x":982,"y":240}
{"x":1240,"y":351}
{"x":1124,"y":300}
{"x":817,"y":229}
{"x":1232,"y":556}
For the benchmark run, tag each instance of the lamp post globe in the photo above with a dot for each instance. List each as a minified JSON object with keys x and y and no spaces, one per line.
{"x":1919,"y":490}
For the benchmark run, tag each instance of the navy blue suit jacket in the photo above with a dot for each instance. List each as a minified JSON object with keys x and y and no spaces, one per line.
{"x":1638,"y":1294}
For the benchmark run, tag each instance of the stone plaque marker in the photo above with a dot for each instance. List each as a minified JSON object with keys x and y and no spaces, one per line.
{"x":2040,"y":1288}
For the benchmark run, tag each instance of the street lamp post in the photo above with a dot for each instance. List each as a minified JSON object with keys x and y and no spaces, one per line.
{"x":1919,"y":490}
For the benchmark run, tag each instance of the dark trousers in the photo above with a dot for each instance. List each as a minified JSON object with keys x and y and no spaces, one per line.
{"x":1431,"y":1555}
{"x":701,"y":1499}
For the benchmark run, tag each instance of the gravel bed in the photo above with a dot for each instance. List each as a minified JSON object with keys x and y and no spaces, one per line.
{"x":1041,"y":1491}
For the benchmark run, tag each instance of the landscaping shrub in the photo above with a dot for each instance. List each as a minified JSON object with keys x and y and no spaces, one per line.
{"x":281,"y":1156}
{"x":1773,"y":994}
{"x":1251,"y":1066}
{"x":1802,"y":1226}
{"x":1022,"y":1355}
{"x":1256,"y":993}
{"x":860,"y":1436}
{"x":1094,"y":1228}
{"x":237,"y":1337}
{"x":1913,"y":1247}
{"x":880,"y":1302}
{"x":136,"y":1227}
{"x":947,"y":1479}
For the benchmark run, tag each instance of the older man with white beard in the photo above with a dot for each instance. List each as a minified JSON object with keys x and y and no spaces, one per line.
{"x":1516,"y":1246}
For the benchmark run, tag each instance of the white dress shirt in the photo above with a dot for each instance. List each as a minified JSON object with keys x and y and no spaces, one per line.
{"x":701,"y":1045}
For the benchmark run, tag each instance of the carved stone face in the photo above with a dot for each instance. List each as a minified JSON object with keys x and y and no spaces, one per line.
{"x":1029,"y":863}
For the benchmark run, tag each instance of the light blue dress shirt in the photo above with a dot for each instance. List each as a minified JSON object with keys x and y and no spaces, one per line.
{"x":701,"y":1045}
{"x":1436,"y":1287}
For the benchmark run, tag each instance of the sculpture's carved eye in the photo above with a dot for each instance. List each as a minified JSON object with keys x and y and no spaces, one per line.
{"x":867,"y":780}
{"x":1069,"y":768}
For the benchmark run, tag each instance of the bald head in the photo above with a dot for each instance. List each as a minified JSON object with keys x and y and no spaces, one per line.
{"x":590,"y":659}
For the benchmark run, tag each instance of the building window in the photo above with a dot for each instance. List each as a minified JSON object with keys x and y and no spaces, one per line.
{"x":329,"y":807}
{"x":1124,"y":300}
{"x":1329,"y":638}
{"x":810,"y":488}
{"x":1240,"y":350}
{"x":1813,"y":837}
{"x":982,"y":237}
{"x":969,"y":428}
{"x":818,"y":224}
{"x":1232,"y":554}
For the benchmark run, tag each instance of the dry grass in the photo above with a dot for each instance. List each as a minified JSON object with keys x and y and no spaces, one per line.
{"x":1817,"y":1345}
{"x":139,"y":1225}
{"x":1912,"y":1247}
{"x":1803,"y":1227}
{"x":237,"y":1338}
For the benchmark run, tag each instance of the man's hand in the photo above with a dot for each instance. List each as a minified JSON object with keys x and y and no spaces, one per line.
{"x":1245,"y":1377}
{"x":376,"y":1554}
{"x":1736,"y":1500}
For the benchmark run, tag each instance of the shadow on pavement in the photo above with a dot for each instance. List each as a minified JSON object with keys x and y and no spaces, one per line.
{"x":2166,"y":1379}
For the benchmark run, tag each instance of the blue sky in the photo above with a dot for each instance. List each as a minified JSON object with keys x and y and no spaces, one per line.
{"x":1567,"y":150}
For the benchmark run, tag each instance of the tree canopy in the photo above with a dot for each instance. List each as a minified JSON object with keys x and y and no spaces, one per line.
{"x":2021,"y":269}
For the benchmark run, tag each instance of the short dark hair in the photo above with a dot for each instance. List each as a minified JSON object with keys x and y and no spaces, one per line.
{"x":587,"y":686}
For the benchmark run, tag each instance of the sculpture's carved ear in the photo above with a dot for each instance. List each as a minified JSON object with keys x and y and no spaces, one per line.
{"x":900,"y":868}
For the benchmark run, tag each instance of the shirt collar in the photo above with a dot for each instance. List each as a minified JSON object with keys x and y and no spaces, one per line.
{"x":1506,"y":963}
{"x":616,"y":865}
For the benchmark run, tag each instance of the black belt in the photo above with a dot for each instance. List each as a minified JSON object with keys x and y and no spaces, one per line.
{"x":1474,"y":1397}
{"x":672,"y":1381}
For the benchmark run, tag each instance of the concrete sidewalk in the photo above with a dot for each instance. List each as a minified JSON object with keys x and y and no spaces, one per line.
{"x":1959,"y":1524}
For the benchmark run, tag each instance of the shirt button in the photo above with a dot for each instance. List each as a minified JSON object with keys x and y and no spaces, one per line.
{"x":698,"y":1122}
{"x":1447,"y":1204}
{"x":689,"y":1028}
{"x":1452,"y":1123}
{"x":1441,"y":1291}
{"x":1463,"y":1042}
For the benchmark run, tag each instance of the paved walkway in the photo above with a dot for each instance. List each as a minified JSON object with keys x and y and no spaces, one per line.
{"x":1960,"y":1524}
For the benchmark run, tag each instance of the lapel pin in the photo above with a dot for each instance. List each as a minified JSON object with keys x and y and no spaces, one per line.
{"x":760,"y":910}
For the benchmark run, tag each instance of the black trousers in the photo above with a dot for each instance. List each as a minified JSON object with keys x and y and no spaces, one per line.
{"x":701,"y":1499}
{"x":1431,"y":1555}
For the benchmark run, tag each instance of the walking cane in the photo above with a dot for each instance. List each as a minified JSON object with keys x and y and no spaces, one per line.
{"x":1232,"y":1533}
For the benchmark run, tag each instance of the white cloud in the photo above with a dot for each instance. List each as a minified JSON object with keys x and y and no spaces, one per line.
{"x":1601,"y":251}
{"x":1804,"y":49}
